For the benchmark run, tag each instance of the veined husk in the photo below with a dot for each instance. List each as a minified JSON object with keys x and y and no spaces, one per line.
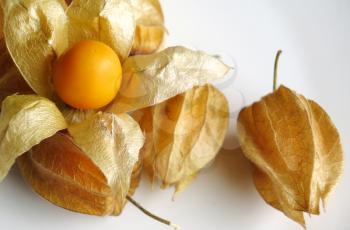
{"x":150,"y":30}
{"x":25,"y":121}
{"x":94,"y":168}
{"x":184,"y":134}
{"x":91,"y":169}
{"x":295,"y":149}
{"x":74,"y":116}
{"x":11,"y":81}
{"x":48,"y":28}
{"x":40,"y":38}
{"x":113,"y":143}
{"x":59,"y":171}
{"x":110,"y":21}
{"x":152,"y":79}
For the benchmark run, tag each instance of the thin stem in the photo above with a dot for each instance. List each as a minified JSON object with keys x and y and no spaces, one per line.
{"x":275,"y":69}
{"x":148,"y":213}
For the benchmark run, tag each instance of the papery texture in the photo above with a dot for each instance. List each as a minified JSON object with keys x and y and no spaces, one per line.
{"x":184,"y":134}
{"x":60,"y":172}
{"x":11,"y":81}
{"x":150,"y":29}
{"x":109,"y":21}
{"x":151,"y":79}
{"x":296,"y":150}
{"x":35,"y":33}
{"x":25,"y":121}
{"x":75,"y":116}
{"x":113,"y":143}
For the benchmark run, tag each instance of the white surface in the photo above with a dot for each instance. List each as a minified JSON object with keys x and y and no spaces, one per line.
{"x":314,"y":36}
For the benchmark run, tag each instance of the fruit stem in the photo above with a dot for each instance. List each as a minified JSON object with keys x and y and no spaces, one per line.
{"x":148,"y":213}
{"x":275,"y":69}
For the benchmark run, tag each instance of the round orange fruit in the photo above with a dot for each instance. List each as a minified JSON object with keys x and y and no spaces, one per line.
{"x":88,"y":75}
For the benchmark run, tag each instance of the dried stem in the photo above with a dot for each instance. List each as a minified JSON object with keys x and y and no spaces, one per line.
{"x":275,"y":70}
{"x":157,"y":218}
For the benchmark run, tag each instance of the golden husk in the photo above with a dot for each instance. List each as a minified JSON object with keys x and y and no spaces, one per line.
{"x":59,"y":171}
{"x":93,"y":168}
{"x":295,"y":149}
{"x":109,"y":21}
{"x":184,"y":134}
{"x":48,"y":28}
{"x":150,"y":30}
{"x":152,"y":79}
{"x":35,"y":34}
{"x":25,"y":121}
{"x":113,"y":143}
{"x":11,"y":81}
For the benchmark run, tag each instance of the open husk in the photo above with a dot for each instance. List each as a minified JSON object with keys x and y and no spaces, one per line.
{"x":109,"y":21}
{"x":183,"y":134}
{"x":113,"y":143}
{"x":295,"y":149}
{"x":49,"y":28}
{"x":25,"y":121}
{"x":150,"y":30}
{"x":59,"y":171}
{"x":152,"y":79}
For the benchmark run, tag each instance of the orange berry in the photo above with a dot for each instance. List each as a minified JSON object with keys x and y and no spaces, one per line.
{"x":88,"y":75}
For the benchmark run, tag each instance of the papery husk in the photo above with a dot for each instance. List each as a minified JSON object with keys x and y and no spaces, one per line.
{"x":48,"y":28}
{"x":184,"y":134}
{"x":296,"y":151}
{"x":135,"y":177}
{"x":150,"y":30}
{"x":11,"y":80}
{"x":109,"y":21}
{"x":35,"y":33}
{"x":62,"y":173}
{"x":75,"y":116}
{"x":113,"y":143}
{"x":152,"y":79}
{"x":25,"y":121}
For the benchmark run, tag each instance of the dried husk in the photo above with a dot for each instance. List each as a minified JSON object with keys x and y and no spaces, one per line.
{"x":25,"y":121}
{"x":11,"y":81}
{"x":75,"y":116}
{"x":152,"y":79}
{"x":59,"y":171}
{"x":37,"y":32}
{"x":150,"y":30}
{"x":113,"y":143}
{"x":295,"y":149}
{"x":135,"y":177}
{"x":109,"y":21}
{"x":184,"y":134}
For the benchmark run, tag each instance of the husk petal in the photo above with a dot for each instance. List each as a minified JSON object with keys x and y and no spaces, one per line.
{"x":185,"y":134}
{"x":152,"y":79}
{"x":25,"y":121}
{"x":113,"y":143}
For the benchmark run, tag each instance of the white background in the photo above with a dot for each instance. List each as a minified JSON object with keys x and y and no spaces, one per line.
{"x":315,"y":38}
